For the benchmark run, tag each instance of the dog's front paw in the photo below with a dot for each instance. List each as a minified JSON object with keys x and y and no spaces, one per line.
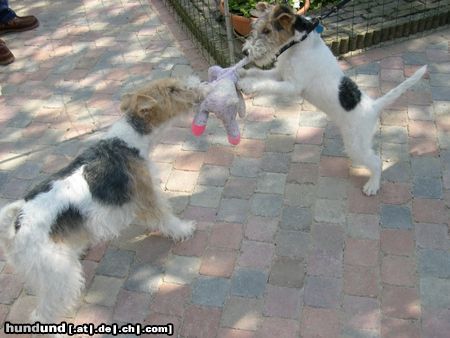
{"x":185,"y":231}
{"x":247,"y":86}
{"x":371,"y":187}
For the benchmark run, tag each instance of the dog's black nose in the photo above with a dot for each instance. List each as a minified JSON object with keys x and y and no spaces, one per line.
{"x":245,"y":52}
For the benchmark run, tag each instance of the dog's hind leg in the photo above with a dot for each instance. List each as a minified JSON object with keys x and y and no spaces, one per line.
{"x":369,"y":159}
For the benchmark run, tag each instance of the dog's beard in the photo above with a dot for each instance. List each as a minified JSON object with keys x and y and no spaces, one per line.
{"x":259,"y":53}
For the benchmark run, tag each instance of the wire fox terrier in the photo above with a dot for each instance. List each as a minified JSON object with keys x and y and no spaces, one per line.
{"x":93,"y":199}
{"x":305,"y":66}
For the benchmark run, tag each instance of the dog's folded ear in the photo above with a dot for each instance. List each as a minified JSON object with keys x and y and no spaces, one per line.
{"x":285,"y":21}
{"x":138,"y":104}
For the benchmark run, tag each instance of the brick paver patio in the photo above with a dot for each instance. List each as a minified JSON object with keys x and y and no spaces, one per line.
{"x":286,"y":244}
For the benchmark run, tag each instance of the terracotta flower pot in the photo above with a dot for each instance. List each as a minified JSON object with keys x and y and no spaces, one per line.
{"x":241,"y":24}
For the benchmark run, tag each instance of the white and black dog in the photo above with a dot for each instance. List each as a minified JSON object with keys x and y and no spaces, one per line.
{"x":309,"y":69}
{"x":93,"y":199}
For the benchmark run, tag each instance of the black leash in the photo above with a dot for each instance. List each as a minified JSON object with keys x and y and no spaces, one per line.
{"x":316,"y":24}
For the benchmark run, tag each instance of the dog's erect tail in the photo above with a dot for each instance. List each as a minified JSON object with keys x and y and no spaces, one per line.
{"x":395,"y":93}
{"x":8,"y":216}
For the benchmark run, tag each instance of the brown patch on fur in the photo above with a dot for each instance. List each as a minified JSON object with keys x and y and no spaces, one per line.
{"x":144,"y":193}
{"x":277,"y":26}
{"x":159,"y":101}
{"x":74,"y":238}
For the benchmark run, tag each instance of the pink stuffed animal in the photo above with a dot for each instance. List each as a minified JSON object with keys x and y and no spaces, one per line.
{"x":223,"y":99}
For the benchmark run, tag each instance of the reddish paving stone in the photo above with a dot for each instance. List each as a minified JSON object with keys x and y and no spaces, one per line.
{"x":162,"y":319}
{"x":201,"y":322}
{"x":10,"y":288}
{"x":278,"y":327}
{"x":358,"y":203}
{"x":261,"y":228}
{"x":310,"y":135}
{"x":395,"y":193}
{"x":397,"y":242}
{"x":432,"y":236}
{"x":15,"y":188}
{"x":242,"y":313}
{"x":423,"y":146}
{"x":131,"y":306}
{"x":362,"y":252}
{"x":421,"y":129}
{"x":3,"y":312}
{"x":92,"y":313}
{"x":334,"y":166}
{"x":400,"y":302}
{"x":302,"y":173}
{"x":226,"y":235}
{"x":392,"y":62}
{"x":361,"y":281}
{"x":234,"y":333}
{"x":182,"y":180}
{"x":194,"y":246}
{"x":319,"y":323}
{"x":319,"y":264}
{"x":398,"y":270}
{"x":239,"y":187}
{"x":171,"y":299}
{"x":256,"y":254}
{"x":20,"y":311}
{"x":282,"y":302}
{"x":430,"y":211}
{"x":218,"y":262}
{"x":200,"y":214}
{"x":323,"y":292}
{"x":189,"y":160}
{"x":399,"y":328}
{"x":251,"y":148}
{"x":219,"y":155}
{"x":436,"y":323}
{"x":89,"y":268}
{"x":362,"y":313}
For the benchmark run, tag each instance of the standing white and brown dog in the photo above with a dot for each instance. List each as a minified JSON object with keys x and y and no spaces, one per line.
{"x":308,"y":68}
{"x":93,"y":199}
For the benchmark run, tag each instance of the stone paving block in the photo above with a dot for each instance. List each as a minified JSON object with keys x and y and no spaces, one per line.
{"x":235,"y":333}
{"x":242,"y":313}
{"x":213,"y":175}
{"x":312,"y":119}
{"x":255,"y":254}
{"x":267,"y":205}
{"x":398,"y":217}
{"x":293,"y":244}
{"x":278,"y":327}
{"x":206,"y":196}
{"x":432,"y":236}
{"x":318,"y":322}
{"x":245,"y":167}
{"x":363,"y":252}
{"x":194,"y":246}
{"x":20,"y":311}
{"x":10,"y":289}
{"x":181,"y":180}
{"x":322,"y":292}
{"x":301,"y":195}
{"x":282,"y":302}
{"x":361,"y":281}
{"x":271,"y":183}
{"x":275,"y":162}
{"x":210,"y":291}
{"x":398,"y":270}
{"x":144,"y":277}
{"x":294,"y":218}
{"x":397,"y":242}
{"x":306,"y":153}
{"x":239,"y":187}
{"x":399,"y":172}
{"x":287,"y":272}
{"x":218,"y":262}
{"x":181,"y":269}
{"x":226,"y":235}
{"x":115,"y":263}
{"x":131,"y":306}
{"x":395,"y":193}
{"x":361,"y":313}
{"x":328,"y":239}
{"x":332,"y":188}
{"x":429,"y":211}
{"x":363,"y":226}
{"x":432,"y":290}
{"x":323,"y":264}
{"x":261,"y":228}
{"x":171,"y":298}
{"x":400,"y":302}
{"x":426,"y":167}
{"x":434,"y":263}
{"x":333,"y":147}
{"x":393,"y":327}
{"x":249,"y":283}
{"x":427,"y":187}
{"x":330,"y":211}
{"x":436,"y":323}
{"x":233,"y":210}
{"x":280,"y":144}
{"x":103,"y":290}
{"x":201,"y":322}
{"x":333,"y":166}
{"x":256,"y":130}
{"x":394,"y":152}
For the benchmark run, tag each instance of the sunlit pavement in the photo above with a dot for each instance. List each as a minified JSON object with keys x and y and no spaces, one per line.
{"x":286,"y":244}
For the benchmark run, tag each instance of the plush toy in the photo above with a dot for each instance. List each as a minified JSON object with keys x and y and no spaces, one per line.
{"x":223,"y":99}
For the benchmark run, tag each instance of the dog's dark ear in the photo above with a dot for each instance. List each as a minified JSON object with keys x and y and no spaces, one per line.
{"x":303,"y":25}
{"x":144,"y":105}
{"x":285,"y":21}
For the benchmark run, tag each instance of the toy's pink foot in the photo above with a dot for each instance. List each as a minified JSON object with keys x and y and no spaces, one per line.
{"x":197,"y":129}
{"x":234,"y":140}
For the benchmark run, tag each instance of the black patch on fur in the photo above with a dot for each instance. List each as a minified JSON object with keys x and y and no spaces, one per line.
{"x":139,"y":125}
{"x":106,"y":172}
{"x":349,"y":94}
{"x":303,"y":25}
{"x":17,"y":222}
{"x":68,"y":221}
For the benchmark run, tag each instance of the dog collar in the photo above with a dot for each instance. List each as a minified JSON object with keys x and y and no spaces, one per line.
{"x":316,"y":27}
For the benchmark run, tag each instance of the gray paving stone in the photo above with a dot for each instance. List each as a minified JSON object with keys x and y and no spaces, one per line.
{"x":333,"y":147}
{"x":206,"y":196}
{"x":434,"y":263}
{"x":245,"y":167}
{"x":256,"y":130}
{"x":440,"y":93}
{"x":306,"y":153}
{"x":20,"y":120}
{"x":330,"y":211}
{"x":280,"y":144}
{"x":249,"y":283}
{"x":285,"y":126}
{"x":27,"y":171}
{"x":181,"y":269}
{"x":233,"y":210}
{"x":313,"y":119}
{"x":395,"y":152}
{"x":414,"y":58}
{"x":242,"y":313}
{"x":394,"y":134}
{"x":268,"y":205}
{"x":103,"y":290}
{"x":275,"y":162}
{"x":441,"y":107}
{"x":210,"y":291}
{"x":350,"y":332}
{"x":271,"y":183}
{"x":399,"y":172}
{"x":432,"y":236}
{"x":426,"y":166}
{"x":395,"y":216}
{"x":369,"y":69}
{"x":367,"y":80}
{"x":293,"y":244}
{"x":239,"y":187}
{"x":287,"y":272}
{"x":144,"y":277}
{"x":440,"y":80}
{"x":427,"y":187}
{"x":328,"y":239}
{"x":213,"y":175}
{"x":301,"y":195}
{"x":193,"y":143}
{"x":295,"y":218}
{"x":115,"y":263}
{"x":332,"y":188}
{"x":323,"y":292}
{"x":432,"y":291}
{"x":363,"y":226}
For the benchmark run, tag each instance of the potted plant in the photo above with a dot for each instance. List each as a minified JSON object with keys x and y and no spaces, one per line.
{"x":242,"y":13}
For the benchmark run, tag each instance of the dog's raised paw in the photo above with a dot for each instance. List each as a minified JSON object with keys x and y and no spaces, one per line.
{"x":371,"y":188}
